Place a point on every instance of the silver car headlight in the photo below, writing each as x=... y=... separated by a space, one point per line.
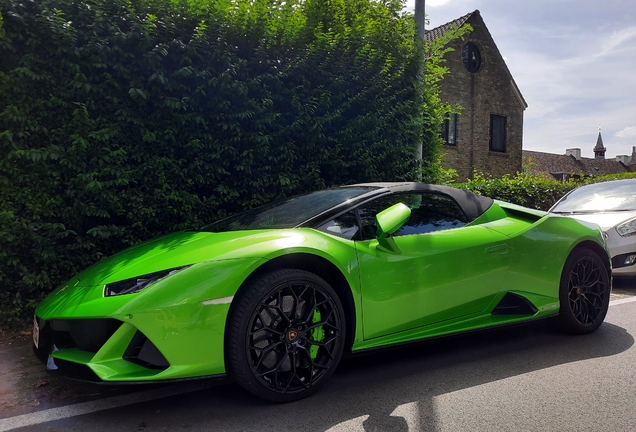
x=138 y=283
x=627 y=228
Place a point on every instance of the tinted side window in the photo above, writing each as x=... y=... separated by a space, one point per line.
x=345 y=226
x=429 y=212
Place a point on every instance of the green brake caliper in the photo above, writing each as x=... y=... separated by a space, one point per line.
x=317 y=334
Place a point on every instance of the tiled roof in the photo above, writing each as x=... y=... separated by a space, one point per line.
x=433 y=34
x=555 y=165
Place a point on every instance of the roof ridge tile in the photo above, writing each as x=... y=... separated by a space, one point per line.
x=432 y=34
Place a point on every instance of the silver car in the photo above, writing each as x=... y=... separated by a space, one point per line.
x=611 y=205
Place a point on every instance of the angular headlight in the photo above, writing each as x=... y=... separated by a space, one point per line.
x=627 y=229
x=138 y=283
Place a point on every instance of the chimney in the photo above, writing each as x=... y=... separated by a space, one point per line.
x=576 y=152
x=633 y=161
x=624 y=159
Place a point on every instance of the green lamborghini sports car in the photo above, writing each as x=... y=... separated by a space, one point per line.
x=274 y=297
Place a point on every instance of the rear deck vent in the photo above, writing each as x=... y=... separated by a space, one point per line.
x=529 y=217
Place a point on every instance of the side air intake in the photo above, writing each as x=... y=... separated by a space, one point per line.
x=514 y=304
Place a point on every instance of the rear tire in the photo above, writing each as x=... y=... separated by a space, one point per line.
x=285 y=336
x=584 y=292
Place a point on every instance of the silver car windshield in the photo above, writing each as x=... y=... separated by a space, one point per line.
x=600 y=197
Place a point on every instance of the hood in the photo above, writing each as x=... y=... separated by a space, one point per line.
x=184 y=248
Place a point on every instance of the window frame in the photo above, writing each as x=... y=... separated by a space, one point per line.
x=362 y=235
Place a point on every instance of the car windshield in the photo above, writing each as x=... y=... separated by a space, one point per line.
x=288 y=212
x=600 y=197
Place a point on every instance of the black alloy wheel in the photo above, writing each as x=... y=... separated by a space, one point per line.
x=285 y=335
x=584 y=293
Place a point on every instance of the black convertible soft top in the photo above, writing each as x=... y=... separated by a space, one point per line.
x=472 y=204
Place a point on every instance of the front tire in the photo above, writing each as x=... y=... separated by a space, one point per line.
x=584 y=292
x=286 y=334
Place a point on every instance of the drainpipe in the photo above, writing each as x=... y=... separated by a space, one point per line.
x=420 y=18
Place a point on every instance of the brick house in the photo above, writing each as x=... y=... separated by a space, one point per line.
x=487 y=135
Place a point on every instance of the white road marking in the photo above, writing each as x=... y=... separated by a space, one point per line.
x=621 y=301
x=53 y=414
x=59 y=413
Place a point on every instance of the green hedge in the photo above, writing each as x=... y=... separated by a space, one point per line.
x=531 y=191
x=124 y=119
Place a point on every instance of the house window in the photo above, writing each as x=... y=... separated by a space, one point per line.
x=471 y=57
x=449 y=132
x=497 y=133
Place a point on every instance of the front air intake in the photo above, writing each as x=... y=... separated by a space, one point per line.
x=84 y=334
x=144 y=353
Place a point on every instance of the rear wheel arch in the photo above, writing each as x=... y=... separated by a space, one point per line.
x=595 y=247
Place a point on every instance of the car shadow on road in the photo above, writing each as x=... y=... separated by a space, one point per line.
x=367 y=392
x=426 y=370
x=624 y=283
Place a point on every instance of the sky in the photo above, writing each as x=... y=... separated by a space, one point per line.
x=574 y=62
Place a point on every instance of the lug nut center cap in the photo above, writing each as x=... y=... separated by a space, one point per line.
x=292 y=335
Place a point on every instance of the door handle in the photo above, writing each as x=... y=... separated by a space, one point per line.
x=498 y=249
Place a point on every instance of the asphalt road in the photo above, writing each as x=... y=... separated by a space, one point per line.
x=526 y=378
